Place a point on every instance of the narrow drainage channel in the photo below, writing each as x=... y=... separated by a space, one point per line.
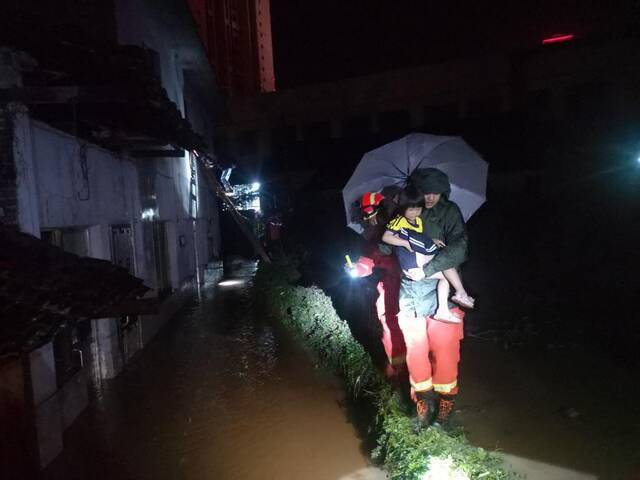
x=219 y=394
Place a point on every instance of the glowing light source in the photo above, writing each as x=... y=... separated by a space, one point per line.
x=558 y=38
x=247 y=196
x=149 y=214
x=351 y=270
x=638 y=160
x=231 y=283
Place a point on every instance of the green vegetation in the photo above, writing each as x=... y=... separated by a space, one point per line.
x=309 y=315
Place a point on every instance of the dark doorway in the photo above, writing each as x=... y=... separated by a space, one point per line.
x=161 y=255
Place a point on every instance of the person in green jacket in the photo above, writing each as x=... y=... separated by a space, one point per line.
x=442 y=219
x=433 y=347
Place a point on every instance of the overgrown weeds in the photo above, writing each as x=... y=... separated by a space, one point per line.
x=407 y=454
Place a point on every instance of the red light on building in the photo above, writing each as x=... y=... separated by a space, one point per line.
x=558 y=38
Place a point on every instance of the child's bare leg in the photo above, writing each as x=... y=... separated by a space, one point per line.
x=443 y=313
x=443 y=298
x=452 y=275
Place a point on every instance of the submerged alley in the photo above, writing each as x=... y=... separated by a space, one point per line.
x=221 y=394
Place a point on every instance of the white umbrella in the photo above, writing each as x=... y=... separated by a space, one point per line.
x=393 y=163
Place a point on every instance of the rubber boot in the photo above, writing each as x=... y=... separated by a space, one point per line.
x=401 y=385
x=425 y=408
x=403 y=376
x=446 y=404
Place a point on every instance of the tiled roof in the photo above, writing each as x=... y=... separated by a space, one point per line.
x=42 y=288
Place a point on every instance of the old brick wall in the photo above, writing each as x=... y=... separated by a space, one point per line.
x=8 y=198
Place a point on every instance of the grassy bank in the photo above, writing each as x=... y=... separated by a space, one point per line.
x=308 y=313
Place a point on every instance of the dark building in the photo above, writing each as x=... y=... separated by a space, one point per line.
x=501 y=103
x=106 y=108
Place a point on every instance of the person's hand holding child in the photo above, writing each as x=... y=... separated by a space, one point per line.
x=415 y=274
x=439 y=243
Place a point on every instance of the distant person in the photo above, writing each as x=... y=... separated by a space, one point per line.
x=433 y=347
x=375 y=209
x=415 y=248
x=274 y=234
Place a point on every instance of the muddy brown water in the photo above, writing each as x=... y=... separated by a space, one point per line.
x=219 y=394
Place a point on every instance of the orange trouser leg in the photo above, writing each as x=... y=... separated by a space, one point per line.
x=444 y=342
x=417 y=342
x=387 y=311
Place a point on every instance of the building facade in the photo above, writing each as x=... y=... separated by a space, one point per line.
x=237 y=37
x=490 y=100
x=106 y=169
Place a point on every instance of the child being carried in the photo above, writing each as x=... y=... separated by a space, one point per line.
x=415 y=248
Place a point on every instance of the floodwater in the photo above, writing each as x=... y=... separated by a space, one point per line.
x=566 y=407
x=220 y=394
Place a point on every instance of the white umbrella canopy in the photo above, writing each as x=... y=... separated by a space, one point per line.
x=393 y=163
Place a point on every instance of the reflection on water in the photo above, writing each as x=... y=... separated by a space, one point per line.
x=218 y=395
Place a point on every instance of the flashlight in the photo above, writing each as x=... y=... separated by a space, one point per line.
x=353 y=273
x=348 y=259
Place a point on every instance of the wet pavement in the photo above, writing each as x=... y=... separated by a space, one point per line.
x=219 y=394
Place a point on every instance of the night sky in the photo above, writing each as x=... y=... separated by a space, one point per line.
x=316 y=41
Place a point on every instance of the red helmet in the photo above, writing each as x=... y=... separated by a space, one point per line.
x=369 y=203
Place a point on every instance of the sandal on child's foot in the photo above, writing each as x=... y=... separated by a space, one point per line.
x=447 y=317
x=463 y=300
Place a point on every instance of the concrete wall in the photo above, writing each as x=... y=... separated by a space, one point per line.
x=68 y=184
x=79 y=184
x=137 y=24
x=62 y=183
x=28 y=211
x=54 y=409
x=65 y=184
x=198 y=113
x=169 y=30
x=58 y=181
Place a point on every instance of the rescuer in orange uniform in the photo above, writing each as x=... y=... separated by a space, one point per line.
x=388 y=286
